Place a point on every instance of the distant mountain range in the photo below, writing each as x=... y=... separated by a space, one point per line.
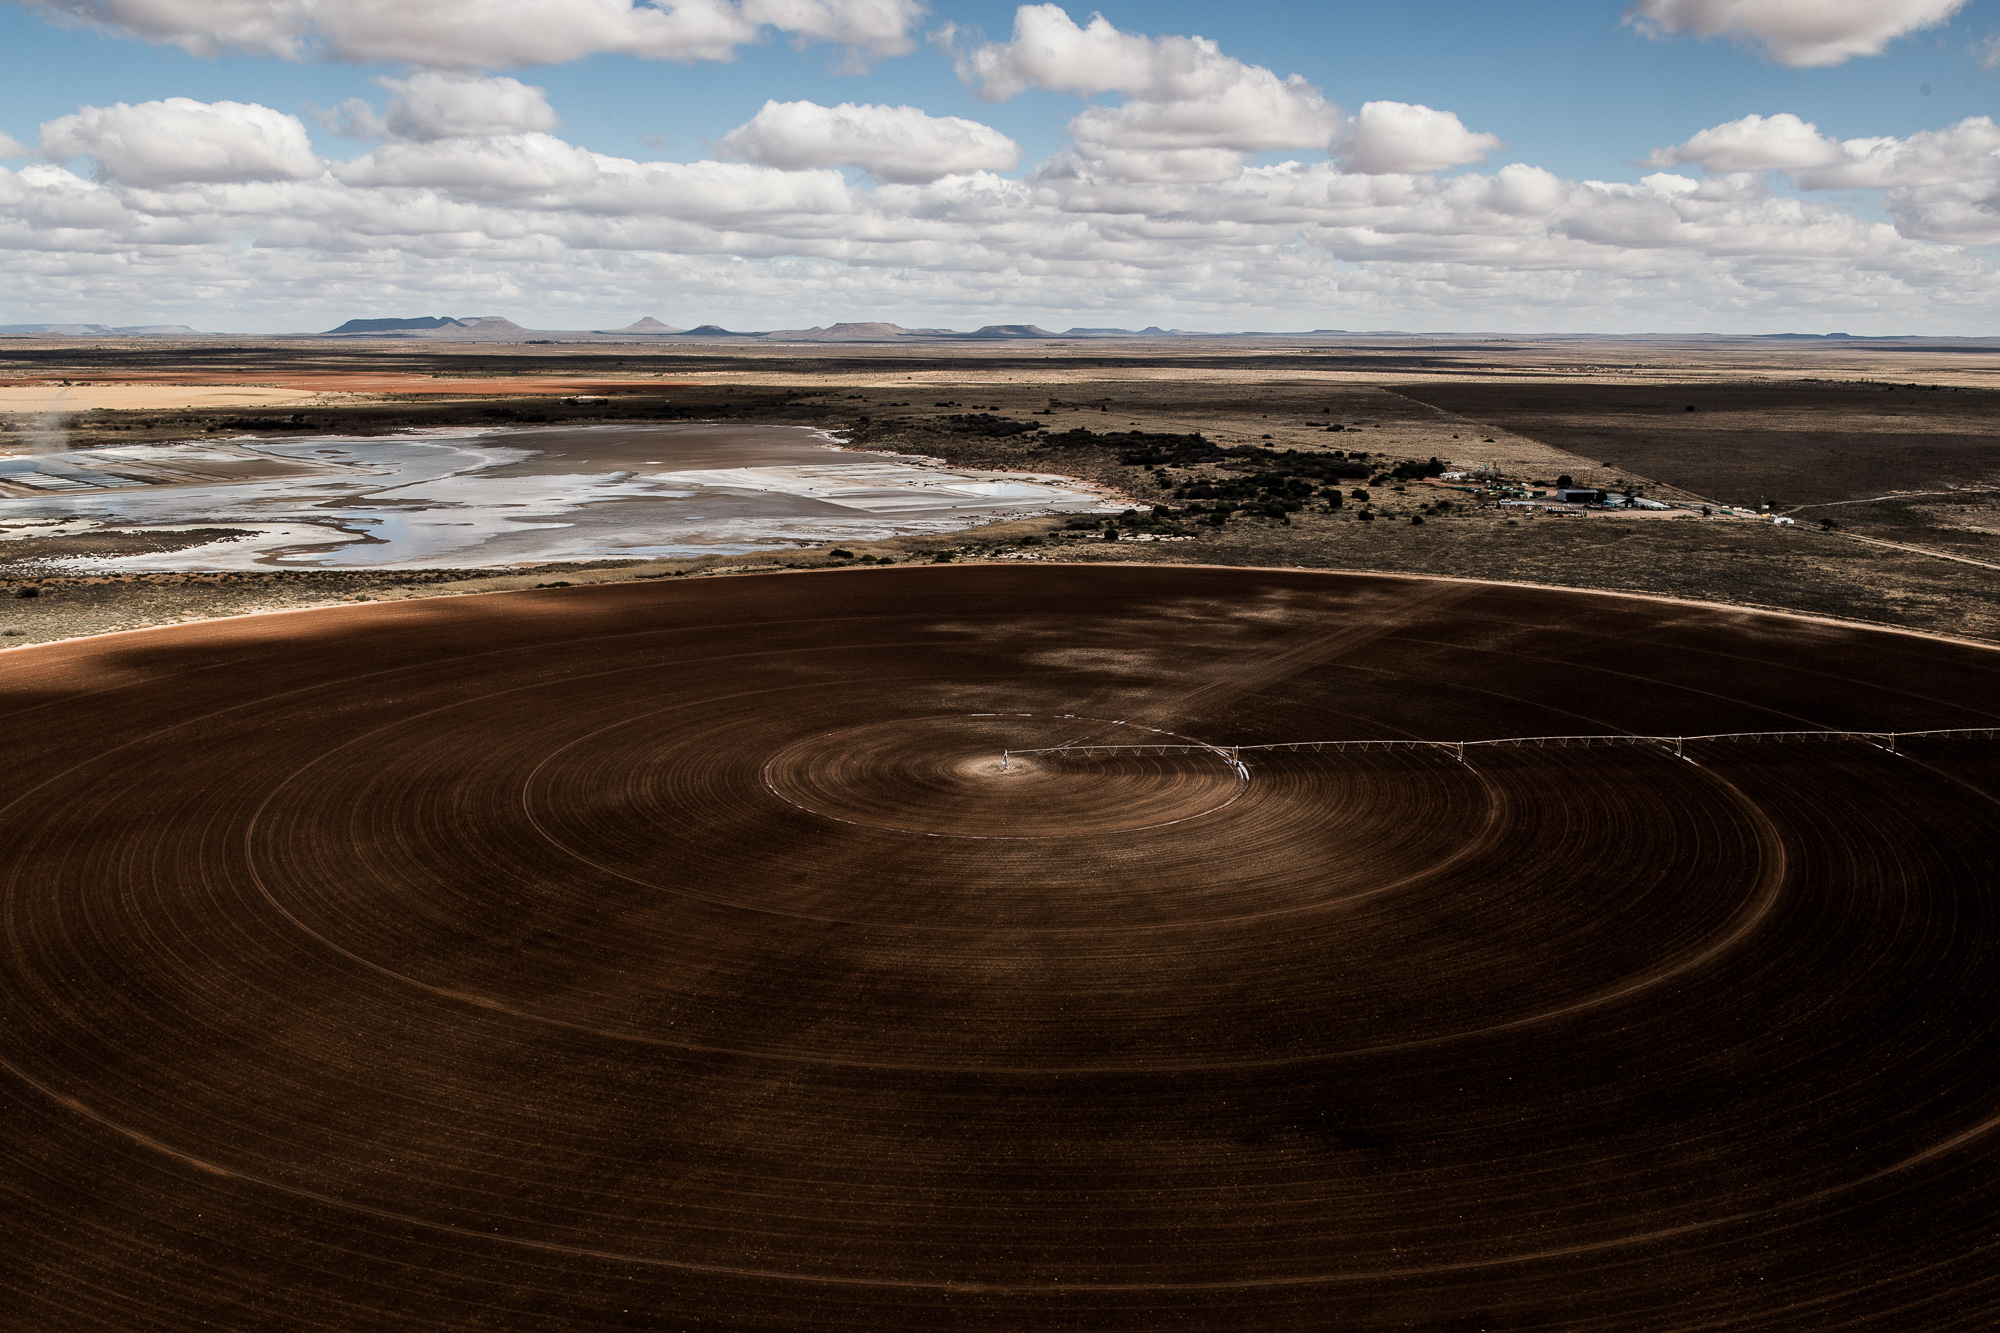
x=100 y=331
x=499 y=329
x=875 y=332
x=454 y=328
x=495 y=328
x=425 y=324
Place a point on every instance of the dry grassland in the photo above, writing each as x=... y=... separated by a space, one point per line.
x=1812 y=425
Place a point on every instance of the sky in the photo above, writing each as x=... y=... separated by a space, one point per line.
x=1564 y=166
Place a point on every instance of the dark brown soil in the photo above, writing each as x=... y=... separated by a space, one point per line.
x=1791 y=569
x=1795 y=444
x=673 y=955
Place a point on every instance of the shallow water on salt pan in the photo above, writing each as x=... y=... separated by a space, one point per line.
x=476 y=498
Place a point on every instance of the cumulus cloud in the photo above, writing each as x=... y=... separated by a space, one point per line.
x=1155 y=213
x=1252 y=112
x=1755 y=143
x=182 y=141
x=1179 y=91
x=1188 y=112
x=1967 y=153
x=1800 y=33
x=865 y=27
x=486 y=213
x=1299 y=243
x=1050 y=51
x=489 y=34
x=1962 y=154
x=1938 y=185
x=894 y=143
x=508 y=166
x=1387 y=137
x=434 y=105
x=204 y=27
x=11 y=147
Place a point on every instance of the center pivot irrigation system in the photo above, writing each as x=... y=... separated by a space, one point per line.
x=1885 y=740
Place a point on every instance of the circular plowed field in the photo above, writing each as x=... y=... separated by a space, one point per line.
x=675 y=956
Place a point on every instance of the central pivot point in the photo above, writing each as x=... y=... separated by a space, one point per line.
x=955 y=776
x=1006 y=766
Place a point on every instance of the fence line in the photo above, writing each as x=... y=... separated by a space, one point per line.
x=1884 y=739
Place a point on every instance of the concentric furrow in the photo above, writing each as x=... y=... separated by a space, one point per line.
x=954 y=776
x=664 y=956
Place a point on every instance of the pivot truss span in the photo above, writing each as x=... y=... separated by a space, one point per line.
x=1886 y=739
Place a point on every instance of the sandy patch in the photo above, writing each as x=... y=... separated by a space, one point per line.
x=888 y=488
x=45 y=398
x=512 y=386
x=135 y=394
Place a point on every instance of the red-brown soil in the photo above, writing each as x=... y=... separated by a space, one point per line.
x=354 y=382
x=673 y=956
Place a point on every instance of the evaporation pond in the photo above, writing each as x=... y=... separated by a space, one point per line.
x=478 y=498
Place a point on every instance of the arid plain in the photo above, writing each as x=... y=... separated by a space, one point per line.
x=747 y=941
x=1894 y=443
